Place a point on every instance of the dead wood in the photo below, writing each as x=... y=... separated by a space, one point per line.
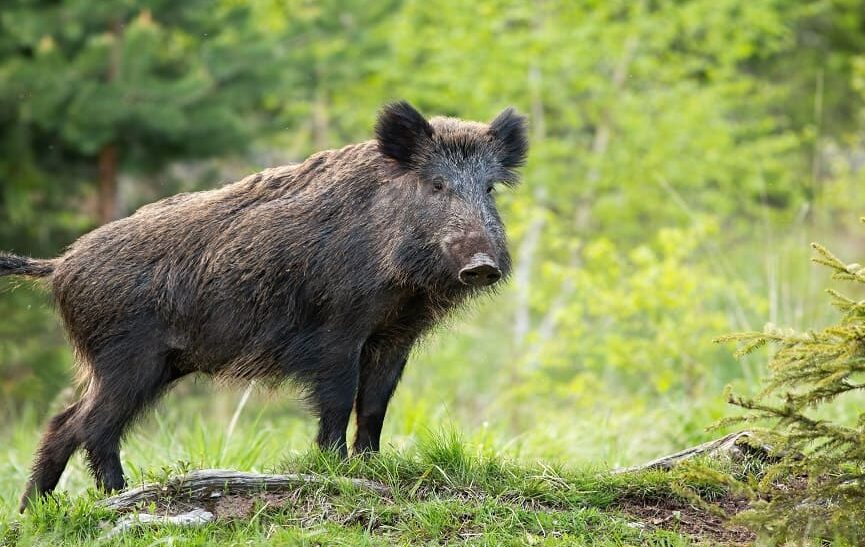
x=736 y=446
x=207 y=484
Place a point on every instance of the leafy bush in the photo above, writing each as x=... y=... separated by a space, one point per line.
x=639 y=318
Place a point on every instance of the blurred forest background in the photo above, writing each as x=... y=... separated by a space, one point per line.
x=683 y=154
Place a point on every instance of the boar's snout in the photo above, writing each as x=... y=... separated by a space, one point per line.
x=473 y=254
x=481 y=271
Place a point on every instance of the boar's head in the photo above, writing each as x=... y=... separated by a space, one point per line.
x=447 y=171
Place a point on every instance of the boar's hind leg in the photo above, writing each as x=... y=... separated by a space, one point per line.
x=114 y=401
x=379 y=374
x=56 y=447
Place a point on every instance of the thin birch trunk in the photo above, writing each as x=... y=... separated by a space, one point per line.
x=582 y=217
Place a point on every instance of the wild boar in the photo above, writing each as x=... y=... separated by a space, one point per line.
x=324 y=273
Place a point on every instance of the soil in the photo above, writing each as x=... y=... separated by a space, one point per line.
x=701 y=524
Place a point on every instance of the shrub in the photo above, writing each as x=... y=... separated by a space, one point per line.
x=817 y=488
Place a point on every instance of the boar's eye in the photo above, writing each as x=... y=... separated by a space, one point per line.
x=438 y=184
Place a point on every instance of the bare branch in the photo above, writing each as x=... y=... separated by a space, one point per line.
x=210 y=483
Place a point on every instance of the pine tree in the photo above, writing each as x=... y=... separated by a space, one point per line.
x=92 y=89
x=817 y=489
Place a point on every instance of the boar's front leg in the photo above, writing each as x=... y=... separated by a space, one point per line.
x=380 y=371
x=333 y=387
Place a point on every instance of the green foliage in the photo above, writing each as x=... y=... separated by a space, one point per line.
x=159 y=78
x=817 y=488
x=638 y=318
x=34 y=367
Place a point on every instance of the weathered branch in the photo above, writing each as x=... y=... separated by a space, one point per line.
x=736 y=446
x=196 y=517
x=207 y=484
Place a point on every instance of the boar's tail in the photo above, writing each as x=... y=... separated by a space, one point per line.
x=22 y=265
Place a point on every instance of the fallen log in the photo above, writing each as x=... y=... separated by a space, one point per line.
x=207 y=484
x=736 y=446
x=196 y=517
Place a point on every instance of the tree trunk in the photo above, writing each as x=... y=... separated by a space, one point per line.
x=108 y=209
x=108 y=156
x=582 y=219
x=320 y=122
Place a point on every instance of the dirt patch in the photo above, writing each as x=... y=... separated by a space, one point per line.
x=234 y=507
x=685 y=518
x=306 y=509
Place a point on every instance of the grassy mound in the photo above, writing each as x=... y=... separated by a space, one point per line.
x=439 y=493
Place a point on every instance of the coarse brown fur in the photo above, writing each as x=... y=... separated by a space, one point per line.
x=325 y=273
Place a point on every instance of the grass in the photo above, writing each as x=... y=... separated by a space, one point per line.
x=487 y=486
x=493 y=484
x=442 y=489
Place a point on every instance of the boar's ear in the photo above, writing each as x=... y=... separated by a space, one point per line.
x=509 y=130
x=402 y=132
